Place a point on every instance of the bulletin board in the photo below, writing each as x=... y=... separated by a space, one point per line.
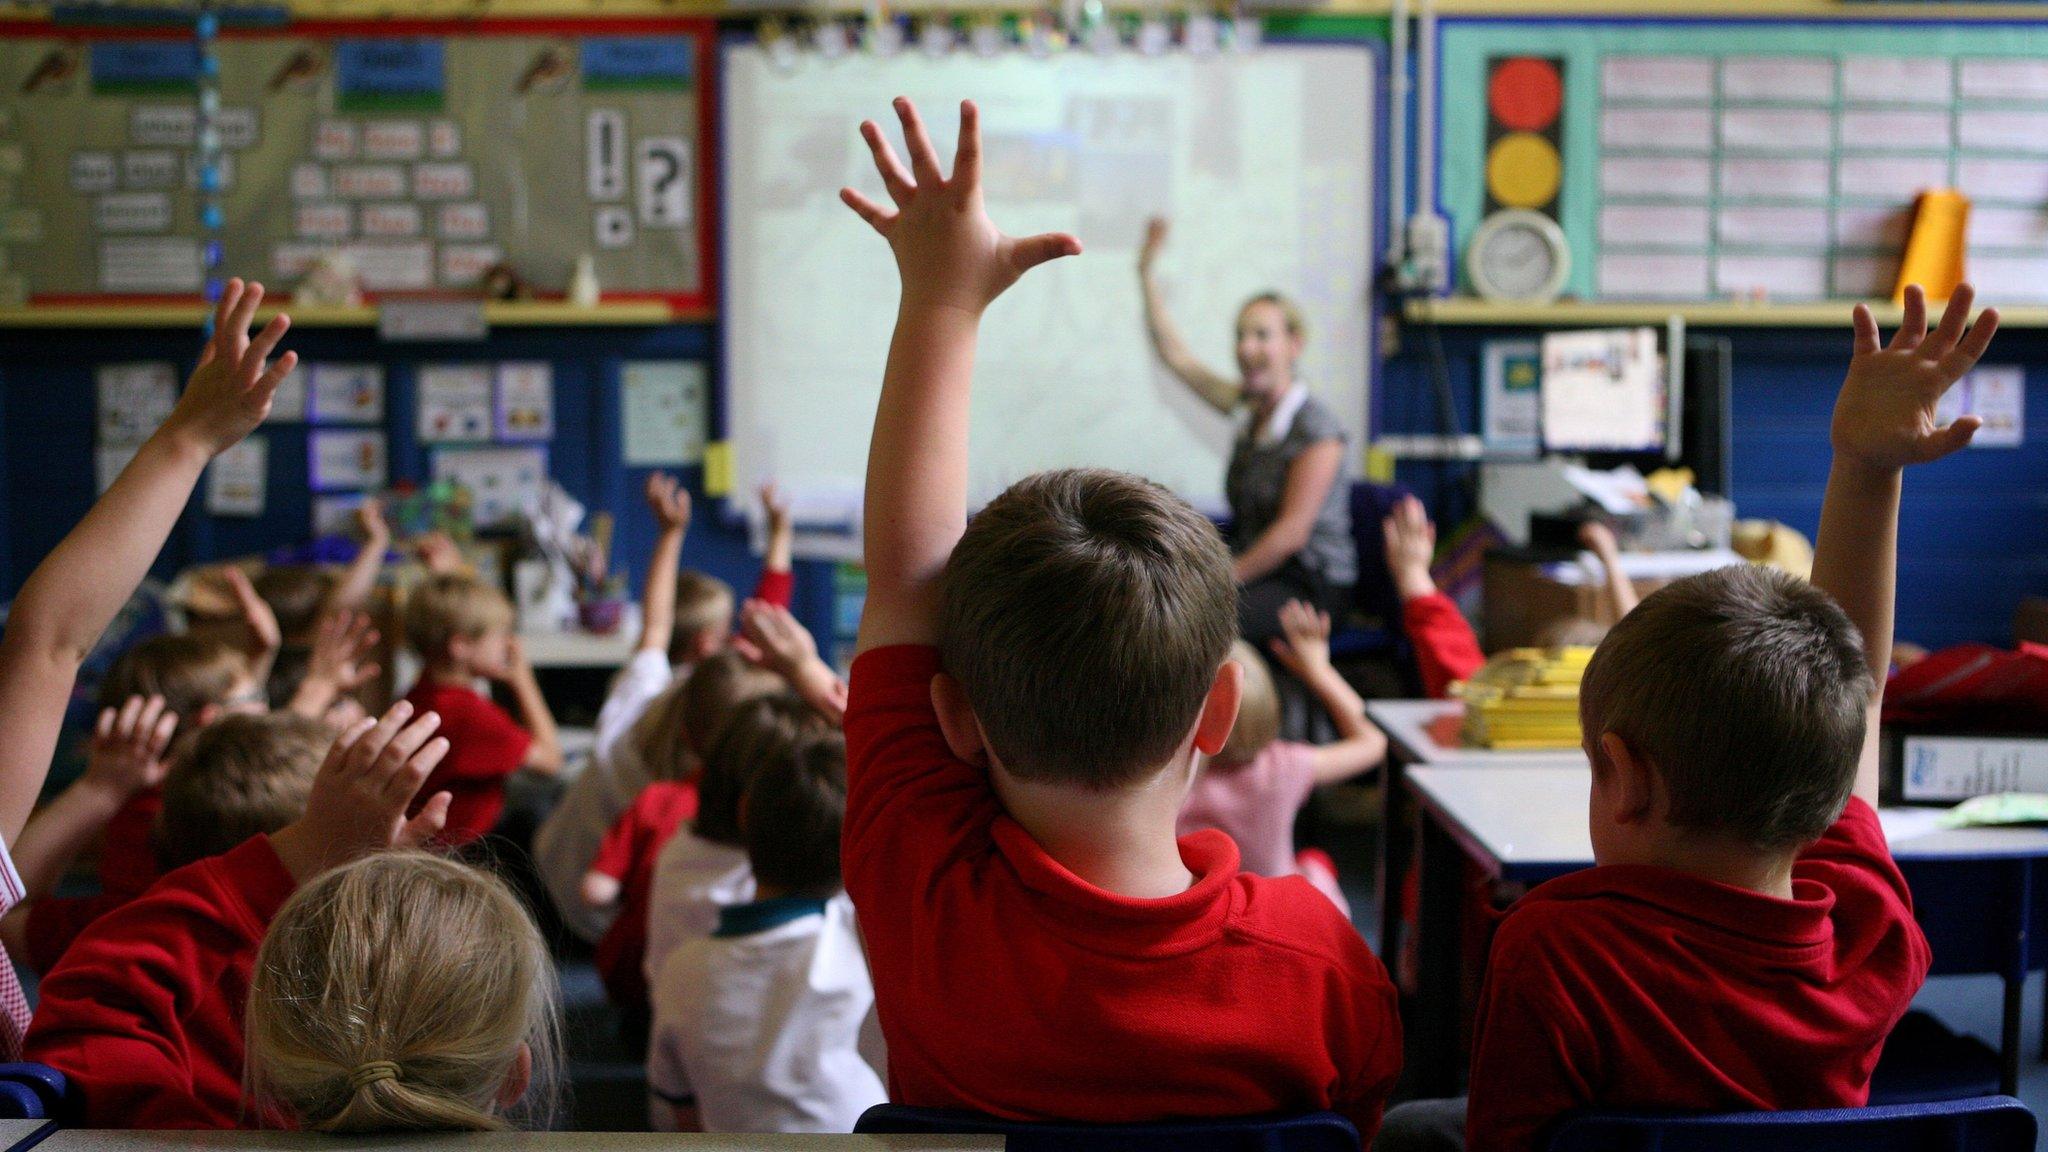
x=427 y=151
x=1759 y=160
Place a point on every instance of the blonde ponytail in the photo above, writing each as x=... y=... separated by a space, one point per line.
x=395 y=995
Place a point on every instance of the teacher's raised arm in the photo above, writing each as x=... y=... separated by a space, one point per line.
x=1290 y=508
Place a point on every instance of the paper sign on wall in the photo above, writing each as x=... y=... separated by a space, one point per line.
x=500 y=481
x=133 y=400
x=526 y=400
x=1603 y=390
x=1996 y=394
x=347 y=460
x=347 y=393
x=455 y=402
x=662 y=412
x=237 y=481
x=663 y=174
x=605 y=155
x=1512 y=401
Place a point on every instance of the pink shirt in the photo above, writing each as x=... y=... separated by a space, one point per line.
x=1256 y=805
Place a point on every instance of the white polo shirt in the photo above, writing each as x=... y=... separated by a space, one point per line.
x=693 y=879
x=761 y=1022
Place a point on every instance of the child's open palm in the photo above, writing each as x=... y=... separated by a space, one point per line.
x=128 y=745
x=230 y=391
x=360 y=795
x=1885 y=416
x=948 y=251
x=669 y=501
x=1305 y=647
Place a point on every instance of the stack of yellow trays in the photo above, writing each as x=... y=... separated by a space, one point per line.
x=1526 y=699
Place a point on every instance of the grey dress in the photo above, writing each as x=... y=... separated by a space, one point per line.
x=1258 y=477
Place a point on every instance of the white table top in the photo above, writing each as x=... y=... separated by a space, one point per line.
x=1535 y=818
x=1425 y=732
x=95 y=1140
x=579 y=649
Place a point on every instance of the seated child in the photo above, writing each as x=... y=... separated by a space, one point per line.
x=1253 y=788
x=702 y=866
x=1746 y=940
x=757 y=1026
x=462 y=629
x=198 y=681
x=144 y=1014
x=1446 y=649
x=687 y=618
x=1034 y=691
x=404 y=993
x=304 y=596
x=72 y=596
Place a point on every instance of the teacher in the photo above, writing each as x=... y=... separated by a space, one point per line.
x=1290 y=535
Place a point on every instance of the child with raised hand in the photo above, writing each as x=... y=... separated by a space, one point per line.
x=71 y=597
x=462 y=629
x=1746 y=940
x=773 y=638
x=335 y=667
x=144 y=1014
x=686 y=620
x=1255 y=786
x=1446 y=649
x=1034 y=691
x=758 y=1024
x=404 y=993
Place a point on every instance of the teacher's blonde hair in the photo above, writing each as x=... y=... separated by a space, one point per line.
x=1290 y=312
x=394 y=994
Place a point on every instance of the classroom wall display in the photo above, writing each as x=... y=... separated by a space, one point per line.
x=1708 y=160
x=1264 y=161
x=421 y=153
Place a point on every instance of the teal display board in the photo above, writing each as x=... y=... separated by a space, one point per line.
x=1707 y=160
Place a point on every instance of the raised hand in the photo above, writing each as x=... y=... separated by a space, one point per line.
x=370 y=522
x=338 y=650
x=359 y=797
x=670 y=502
x=774 y=638
x=439 y=554
x=775 y=507
x=1305 y=647
x=1885 y=416
x=265 y=636
x=1156 y=230
x=1599 y=539
x=948 y=252
x=127 y=753
x=230 y=391
x=1411 y=544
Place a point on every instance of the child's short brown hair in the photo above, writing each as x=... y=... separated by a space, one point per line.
x=704 y=603
x=449 y=607
x=793 y=812
x=189 y=672
x=1258 y=713
x=762 y=731
x=245 y=776
x=296 y=593
x=1748 y=690
x=1085 y=613
x=672 y=735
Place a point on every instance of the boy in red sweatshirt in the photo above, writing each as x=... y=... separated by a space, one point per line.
x=462 y=629
x=1746 y=941
x=1034 y=692
x=144 y=1014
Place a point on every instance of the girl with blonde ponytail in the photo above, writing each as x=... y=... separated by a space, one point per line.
x=404 y=992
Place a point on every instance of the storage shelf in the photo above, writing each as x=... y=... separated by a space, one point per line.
x=1469 y=312
x=506 y=314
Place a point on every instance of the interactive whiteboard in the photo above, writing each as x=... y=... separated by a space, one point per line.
x=1263 y=160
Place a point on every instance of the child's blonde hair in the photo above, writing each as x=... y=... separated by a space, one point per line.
x=394 y=994
x=1258 y=711
x=704 y=603
x=451 y=607
x=189 y=672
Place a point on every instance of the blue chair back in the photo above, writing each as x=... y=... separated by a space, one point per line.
x=33 y=1092
x=1986 y=1124
x=1314 y=1132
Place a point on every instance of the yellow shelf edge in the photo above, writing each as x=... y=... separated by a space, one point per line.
x=1470 y=312
x=506 y=314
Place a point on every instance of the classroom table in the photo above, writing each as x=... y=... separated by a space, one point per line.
x=105 y=1140
x=1973 y=889
x=1424 y=732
